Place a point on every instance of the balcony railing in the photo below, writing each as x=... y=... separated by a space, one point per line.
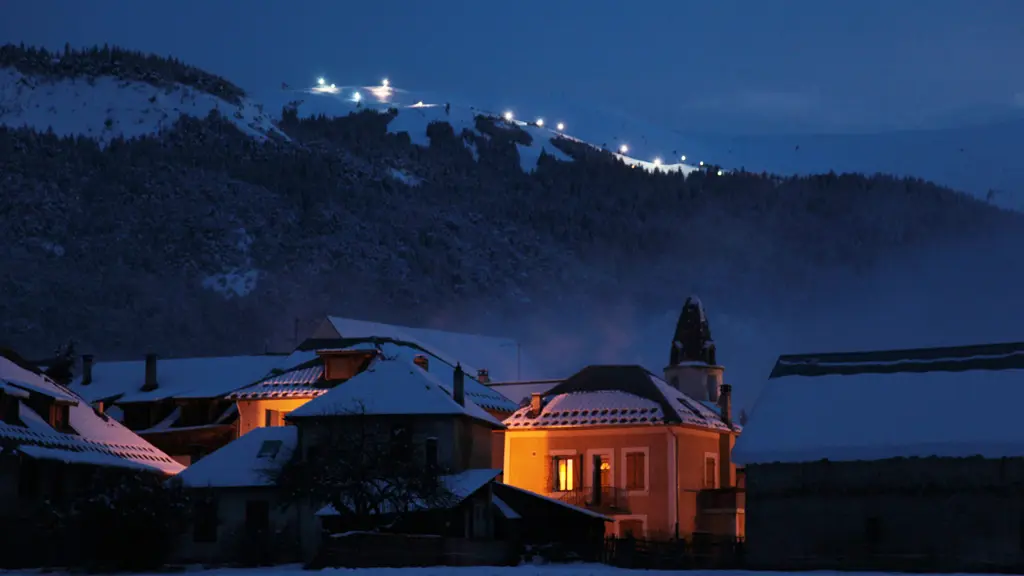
x=604 y=499
x=722 y=499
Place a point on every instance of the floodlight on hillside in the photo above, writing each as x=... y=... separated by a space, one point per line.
x=508 y=116
x=682 y=158
x=560 y=126
x=623 y=149
x=720 y=172
x=657 y=161
x=540 y=122
x=384 y=83
x=701 y=163
x=320 y=81
x=357 y=97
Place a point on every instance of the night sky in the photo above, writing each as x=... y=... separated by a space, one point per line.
x=735 y=66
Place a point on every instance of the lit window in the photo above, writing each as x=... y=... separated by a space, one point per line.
x=565 y=478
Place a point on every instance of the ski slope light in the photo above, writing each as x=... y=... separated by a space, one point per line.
x=384 y=83
x=357 y=97
x=682 y=158
x=701 y=163
x=657 y=161
x=320 y=81
x=540 y=122
x=508 y=116
x=333 y=87
x=560 y=126
x=623 y=149
x=720 y=172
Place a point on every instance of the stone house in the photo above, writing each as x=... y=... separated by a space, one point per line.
x=891 y=460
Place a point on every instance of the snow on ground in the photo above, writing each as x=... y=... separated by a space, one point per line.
x=523 y=570
x=105 y=108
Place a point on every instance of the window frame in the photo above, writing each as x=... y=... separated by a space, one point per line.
x=570 y=456
x=704 y=471
x=646 y=451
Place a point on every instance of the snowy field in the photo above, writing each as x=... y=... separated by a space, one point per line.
x=525 y=570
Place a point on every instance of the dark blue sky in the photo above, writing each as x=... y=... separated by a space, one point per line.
x=729 y=65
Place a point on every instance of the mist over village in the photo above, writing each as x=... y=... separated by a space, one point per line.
x=435 y=290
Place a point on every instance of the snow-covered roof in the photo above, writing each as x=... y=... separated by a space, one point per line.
x=305 y=381
x=499 y=356
x=952 y=402
x=247 y=462
x=210 y=377
x=440 y=366
x=98 y=439
x=616 y=396
x=392 y=386
x=520 y=392
x=461 y=486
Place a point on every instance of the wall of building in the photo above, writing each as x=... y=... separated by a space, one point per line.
x=252 y=413
x=8 y=485
x=459 y=442
x=954 y=514
x=675 y=469
x=284 y=543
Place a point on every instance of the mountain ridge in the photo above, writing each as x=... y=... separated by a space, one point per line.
x=206 y=235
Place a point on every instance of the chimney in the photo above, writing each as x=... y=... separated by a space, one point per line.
x=86 y=369
x=535 y=404
x=422 y=361
x=459 y=385
x=99 y=406
x=483 y=376
x=150 y=383
x=725 y=403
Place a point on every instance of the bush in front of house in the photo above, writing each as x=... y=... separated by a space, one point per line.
x=128 y=521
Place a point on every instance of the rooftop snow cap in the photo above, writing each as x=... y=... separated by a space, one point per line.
x=692 y=340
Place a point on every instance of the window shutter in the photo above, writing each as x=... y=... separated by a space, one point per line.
x=579 y=472
x=554 y=474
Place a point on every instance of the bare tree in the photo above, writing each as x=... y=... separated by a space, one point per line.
x=366 y=467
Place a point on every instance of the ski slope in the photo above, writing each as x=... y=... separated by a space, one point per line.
x=417 y=111
x=106 y=108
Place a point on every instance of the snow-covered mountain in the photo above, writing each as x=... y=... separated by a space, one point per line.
x=149 y=204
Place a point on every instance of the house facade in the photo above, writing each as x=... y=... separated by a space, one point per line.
x=652 y=453
x=898 y=460
x=619 y=440
x=53 y=446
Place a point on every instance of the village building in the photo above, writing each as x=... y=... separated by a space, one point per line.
x=653 y=453
x=399 y=397
x=178 y=404
x=189 y=407
x=897 y=460
x=52 y=445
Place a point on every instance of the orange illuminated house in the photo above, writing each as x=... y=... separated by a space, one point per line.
x=624 y=442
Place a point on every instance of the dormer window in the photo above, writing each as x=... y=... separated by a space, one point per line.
x=340 y=365
x=60 y=418
x=10 y=409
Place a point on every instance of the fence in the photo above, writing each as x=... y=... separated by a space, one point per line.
x=700 y=551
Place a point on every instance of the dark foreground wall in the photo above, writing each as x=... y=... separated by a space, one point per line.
x=928 y=514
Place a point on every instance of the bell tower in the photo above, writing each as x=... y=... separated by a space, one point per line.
x=692 y=367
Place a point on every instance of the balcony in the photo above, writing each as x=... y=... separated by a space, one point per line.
x=722 y=499
x=604 y=500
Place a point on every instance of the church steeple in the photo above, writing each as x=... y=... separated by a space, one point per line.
x=692 y=341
